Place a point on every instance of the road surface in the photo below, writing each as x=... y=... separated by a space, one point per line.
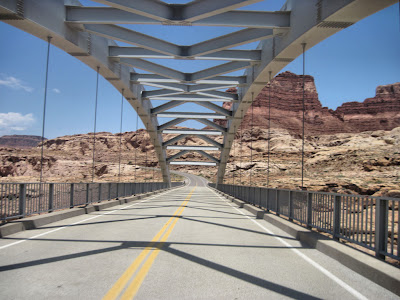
x=188 y=243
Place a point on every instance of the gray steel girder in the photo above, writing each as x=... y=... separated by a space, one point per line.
x=43 y=18
x=89 y=33
x=310 y=24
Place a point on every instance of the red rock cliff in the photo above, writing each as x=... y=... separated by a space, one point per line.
x=380 y=112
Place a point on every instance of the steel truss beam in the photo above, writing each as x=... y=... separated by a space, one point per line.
x=333 y=17
x=197 y=10
x=47 y=18
x=154 y=68
x=154 y=9
x=185 y=77
x=157 y=94
x=231 y=40
x=155 y=78
x=192 y=98
x=203 y=121
x=192 y=132
x=165 y=106
x=216 y=108
x=212 y=124
x=191 y=115
x=135 y=38
x=204 y=148
x=109 y=15
x=171 y=123
x=201 y=152
x=230 y=55
x=193 y=163
x=281 y=34
x=219 y=70
x=182 y=136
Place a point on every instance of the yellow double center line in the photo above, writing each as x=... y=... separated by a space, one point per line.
x=158 y=239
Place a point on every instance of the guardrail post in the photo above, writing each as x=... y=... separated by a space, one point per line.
x=71 y=196
x=309 y=210
x=290 y=208
x=267 y=200
x=336 y=217
x=277 y=202
x=87 y=193
x=51 y=196
x=381 y=225
x=22 y=199
x=99 y=192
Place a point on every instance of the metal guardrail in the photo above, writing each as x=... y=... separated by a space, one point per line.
x=22 y=199
x=371 y=222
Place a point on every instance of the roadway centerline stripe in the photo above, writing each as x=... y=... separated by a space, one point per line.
x=129 y=272
x=138 y=280
x=316 y=265
x=75 y=223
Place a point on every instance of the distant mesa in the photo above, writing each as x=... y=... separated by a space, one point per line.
x=20 y=141
x=381 y=112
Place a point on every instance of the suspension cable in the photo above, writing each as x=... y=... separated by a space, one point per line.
x=136 y=140
x=155 y=158
x=269 y=125
x=229 y=157
x=44 y=107
x=95 y=121
x=120 y=136
x=251 y=137
x=304 y=109
x=234 y=154
x=241 y=152
x=145 y=162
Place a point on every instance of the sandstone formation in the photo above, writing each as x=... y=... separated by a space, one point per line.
x=379 y=113
x=20 y=141
x=366 y=163
x=351 y=150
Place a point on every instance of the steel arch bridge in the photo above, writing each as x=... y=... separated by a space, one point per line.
x=90 y=35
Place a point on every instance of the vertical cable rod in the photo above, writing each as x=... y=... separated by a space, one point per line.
x=241 y=152
x=136 y=140
x=145 y=162
x=155 y=157
x=269 y=127
x=120 y=136
x=251 y=136
x=44 y=108
x=304 y=109
x=95 y=122
x=234 y=154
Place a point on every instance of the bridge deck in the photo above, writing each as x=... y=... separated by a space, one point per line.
x=210 y=250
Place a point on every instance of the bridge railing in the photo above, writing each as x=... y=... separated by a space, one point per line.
x=371 y=222
x=22 y=199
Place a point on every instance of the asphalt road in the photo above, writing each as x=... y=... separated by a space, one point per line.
x=188 y=243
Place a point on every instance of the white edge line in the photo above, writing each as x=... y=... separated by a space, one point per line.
x=91 y=218
x=316 y=265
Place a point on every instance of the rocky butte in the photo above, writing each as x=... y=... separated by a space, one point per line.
x=20 y=141
x=381 y=112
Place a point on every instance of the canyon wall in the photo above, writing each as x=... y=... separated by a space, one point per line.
x=381 y=112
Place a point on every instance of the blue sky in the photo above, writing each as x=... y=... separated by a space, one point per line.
x=347 y=67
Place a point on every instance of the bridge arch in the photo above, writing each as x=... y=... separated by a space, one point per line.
x=89 y=35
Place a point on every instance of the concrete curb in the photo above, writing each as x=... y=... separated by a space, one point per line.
x=238 y=202
x=41 y=220
x=370 y=267
x=254 y=210
x=374 y=269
